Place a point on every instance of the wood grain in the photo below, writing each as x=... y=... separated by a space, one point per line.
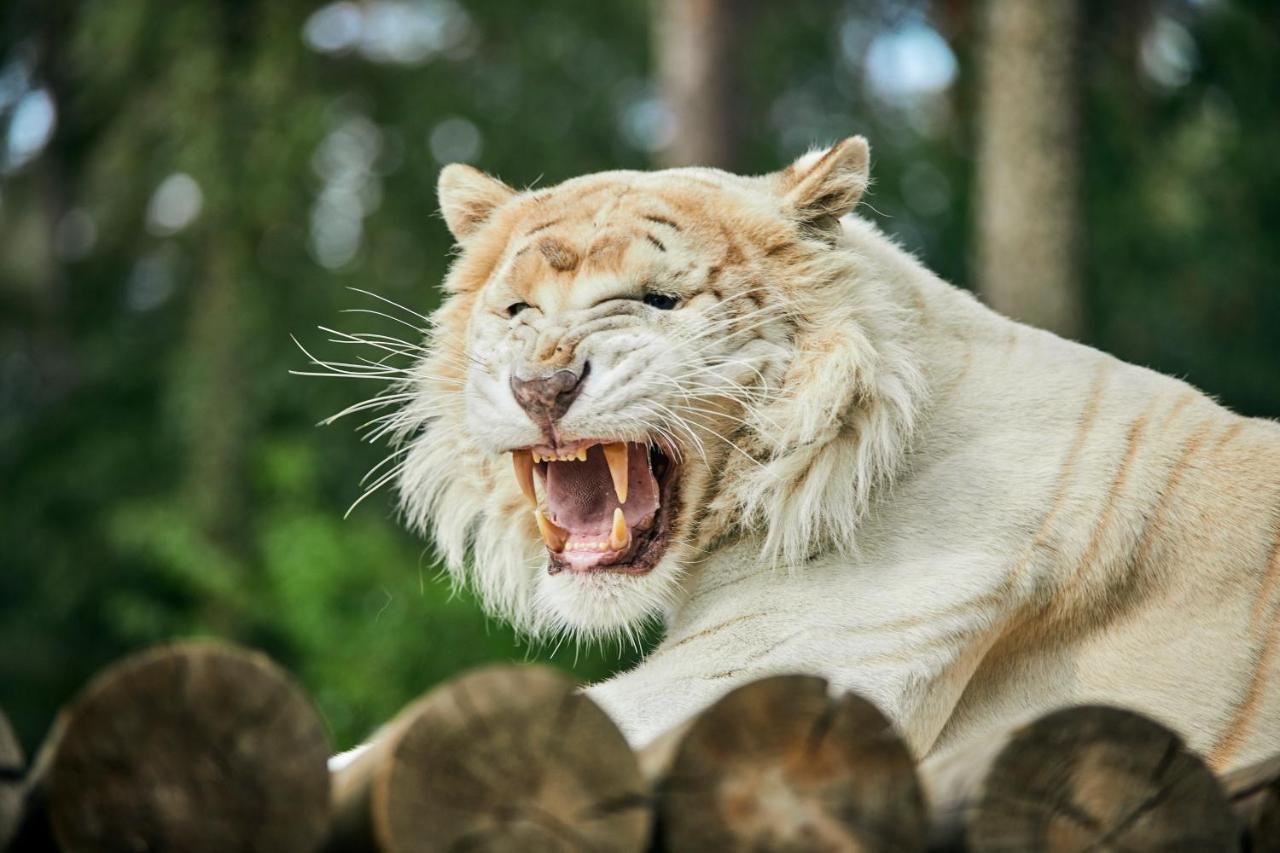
x=194 y=747
x=501 y=759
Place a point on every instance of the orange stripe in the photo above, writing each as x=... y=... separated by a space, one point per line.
x=1229 y=435
x=1187 y=397
x=1161 y=509
x=1237 y=732
x=1268 y=586
x=708 y=631
x=1109 y=508
x=1066 y=477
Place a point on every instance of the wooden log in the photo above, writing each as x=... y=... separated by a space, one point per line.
x=501 y=759
x=11 y=770
x=194 y=747
x=1083 y=778
x=1254 y=793
x=780 y=764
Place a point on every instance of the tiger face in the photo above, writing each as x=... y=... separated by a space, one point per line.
x=603 y=396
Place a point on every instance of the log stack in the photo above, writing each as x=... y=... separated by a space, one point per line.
x=1083 y=778
x=11 y=770
x=201 y=747
x=502 y=759
x=1255 y=796
x=781 y=764
x=192 y=747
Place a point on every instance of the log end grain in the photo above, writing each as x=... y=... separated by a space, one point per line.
x=1099 y=778
x=1254 y=792
x=11 y=771
x=780 y=764
x=194 y=747
x=506 y=759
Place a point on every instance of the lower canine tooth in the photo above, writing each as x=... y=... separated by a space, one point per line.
x=620 y=535
x=552 y=535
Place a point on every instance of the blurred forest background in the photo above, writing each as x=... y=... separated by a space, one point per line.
x=185 y=185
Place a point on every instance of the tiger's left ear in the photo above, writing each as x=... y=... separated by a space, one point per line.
x=823 y=186
x=468 y=197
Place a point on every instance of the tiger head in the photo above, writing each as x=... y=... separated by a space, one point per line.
x=632 y=369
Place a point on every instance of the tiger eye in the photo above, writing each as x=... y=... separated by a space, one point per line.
x=661 y=301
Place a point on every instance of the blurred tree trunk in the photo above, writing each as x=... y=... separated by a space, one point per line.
x=1029 y=163
x=218 y=423
x=698 y=46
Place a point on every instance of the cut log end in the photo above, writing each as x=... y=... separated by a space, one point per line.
x=1254 y=793
x=1098 y=778
x=779 y=764
x=505 y=758
x=11 y=770
x=193 y=747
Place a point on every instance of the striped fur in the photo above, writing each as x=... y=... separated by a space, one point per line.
x=882 y=481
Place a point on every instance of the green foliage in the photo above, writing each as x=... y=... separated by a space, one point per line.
x=160 y=472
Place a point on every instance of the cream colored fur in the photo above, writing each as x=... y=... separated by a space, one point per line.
x=966 y=520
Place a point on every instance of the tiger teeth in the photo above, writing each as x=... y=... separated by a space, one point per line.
x=620 y=535
x=522 y=461
x=616 y=455
x=553 y=535
x=579 y=455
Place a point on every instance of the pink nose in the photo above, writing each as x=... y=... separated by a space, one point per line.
x=547 y=398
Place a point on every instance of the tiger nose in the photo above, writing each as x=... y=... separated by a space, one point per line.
x=547 y=398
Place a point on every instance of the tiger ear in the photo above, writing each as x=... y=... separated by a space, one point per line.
x=468 y=197
x=823 y=186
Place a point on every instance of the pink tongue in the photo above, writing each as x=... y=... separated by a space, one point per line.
x=581 y=498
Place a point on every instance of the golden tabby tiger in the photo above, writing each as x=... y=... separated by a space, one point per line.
x=729 y=403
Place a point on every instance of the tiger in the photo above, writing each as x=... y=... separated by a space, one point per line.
x=733 y=406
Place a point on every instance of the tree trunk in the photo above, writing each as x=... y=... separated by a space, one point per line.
x=779 y=764
x=1028 y=170
x=698 y=46
x=194 y=747
x=1083 y=778
x=502 y=759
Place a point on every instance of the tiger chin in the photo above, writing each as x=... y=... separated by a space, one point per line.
x=731 y=404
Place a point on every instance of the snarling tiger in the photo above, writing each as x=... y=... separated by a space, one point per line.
x=730 y=403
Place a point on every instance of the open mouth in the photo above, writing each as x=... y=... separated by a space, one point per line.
x=605 y=505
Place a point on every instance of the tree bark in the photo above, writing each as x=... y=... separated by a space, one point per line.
x=193 y=747
x=1028 y=169
x=779 y=764
x=501 y=759
x=1083 y=778
x=698 y=46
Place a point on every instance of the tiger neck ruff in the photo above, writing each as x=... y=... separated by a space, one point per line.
x=729 y=403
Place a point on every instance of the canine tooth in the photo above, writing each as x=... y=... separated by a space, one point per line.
x=616 y=455
x=522 y=461
x=620 y=535
x=551 y=534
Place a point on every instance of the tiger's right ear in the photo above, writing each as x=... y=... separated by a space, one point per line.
x=468 y=197
x=823 y=186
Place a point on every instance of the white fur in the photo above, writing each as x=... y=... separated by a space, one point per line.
x=885 y=483
x=959 y=549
